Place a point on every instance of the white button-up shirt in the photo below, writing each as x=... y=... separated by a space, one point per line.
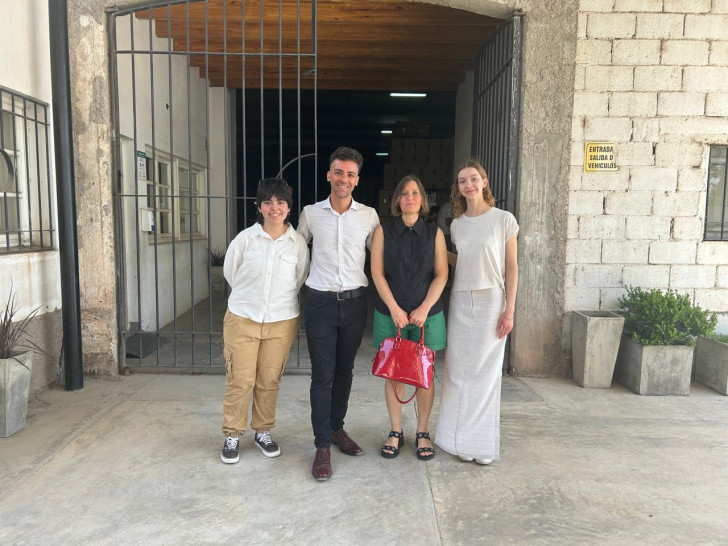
x=265 y=274
x=339 y=244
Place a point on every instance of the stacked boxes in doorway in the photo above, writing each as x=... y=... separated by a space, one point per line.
x=430 y=159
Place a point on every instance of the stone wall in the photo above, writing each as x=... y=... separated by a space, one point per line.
x=652 y=76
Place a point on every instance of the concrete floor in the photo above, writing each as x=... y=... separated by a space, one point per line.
x=135 y=460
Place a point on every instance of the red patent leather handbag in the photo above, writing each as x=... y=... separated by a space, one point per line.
x=405 y=361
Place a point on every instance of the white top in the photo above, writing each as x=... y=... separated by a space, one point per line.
x=339 y=244
x=481 y=245
x=265 y=274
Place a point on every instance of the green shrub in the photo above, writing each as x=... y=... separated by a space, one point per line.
x=723 y=338
x=657 y=317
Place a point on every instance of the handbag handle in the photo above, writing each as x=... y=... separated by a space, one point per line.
x=420 y=345
x=394 y=388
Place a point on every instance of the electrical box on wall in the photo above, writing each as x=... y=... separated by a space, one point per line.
x=147 y=220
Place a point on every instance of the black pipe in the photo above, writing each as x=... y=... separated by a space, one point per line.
x=66 y=193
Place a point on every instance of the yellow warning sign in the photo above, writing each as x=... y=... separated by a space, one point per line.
x=600 y=157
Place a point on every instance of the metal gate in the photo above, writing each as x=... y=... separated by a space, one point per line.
x=496 y=110
x=210 y=96
x=496 y=115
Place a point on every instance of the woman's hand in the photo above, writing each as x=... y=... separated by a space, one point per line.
x=399 y=317
x=418 y=316
x=505 y=325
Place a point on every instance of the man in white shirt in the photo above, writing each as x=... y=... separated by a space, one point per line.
x=336 y=306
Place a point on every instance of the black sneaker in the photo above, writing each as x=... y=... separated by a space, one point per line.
x=230 y=450
x=266 y=445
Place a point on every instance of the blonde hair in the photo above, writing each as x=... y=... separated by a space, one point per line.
x=395 y=208
x=458 y=201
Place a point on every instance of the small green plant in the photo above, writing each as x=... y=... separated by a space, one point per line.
x=657 y=317
x=723 y=338
x=217 y=256
x=13 y=331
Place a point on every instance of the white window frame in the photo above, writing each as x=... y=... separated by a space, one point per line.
x=165 y=215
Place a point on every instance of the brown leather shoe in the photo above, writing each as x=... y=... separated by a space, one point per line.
x=321 y=468
x=346 y=445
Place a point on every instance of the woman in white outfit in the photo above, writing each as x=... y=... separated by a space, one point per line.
x=482 y=303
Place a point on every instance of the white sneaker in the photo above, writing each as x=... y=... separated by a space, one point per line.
x=466 y=459
x=484 y=461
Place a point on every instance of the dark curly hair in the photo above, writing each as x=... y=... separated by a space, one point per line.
x=273 y=187
x=342 y=153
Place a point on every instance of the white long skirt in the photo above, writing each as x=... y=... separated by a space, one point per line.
x=469 y=421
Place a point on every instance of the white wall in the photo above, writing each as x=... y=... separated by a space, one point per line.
x=654 y=79
x=25 y=68
x=176 y=130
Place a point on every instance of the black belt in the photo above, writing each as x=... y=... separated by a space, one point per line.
x=345 y=295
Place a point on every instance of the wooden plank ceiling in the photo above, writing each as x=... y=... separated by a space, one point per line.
x=362 y=45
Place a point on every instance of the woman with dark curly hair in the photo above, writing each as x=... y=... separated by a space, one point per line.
x=265 y=265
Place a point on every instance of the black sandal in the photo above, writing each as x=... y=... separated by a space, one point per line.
x=424 y=453
x=390 y=452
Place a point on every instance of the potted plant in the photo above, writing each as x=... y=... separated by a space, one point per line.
x=594 y=343
x=16 y=362
x=711 y=362
x=217 y=260
x=656 y=353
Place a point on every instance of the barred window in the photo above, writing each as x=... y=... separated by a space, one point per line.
x=716 y=221
x=175 y=197
x=26 y=222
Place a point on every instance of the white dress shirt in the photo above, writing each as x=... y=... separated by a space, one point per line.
x=265 y=274
x=339 y=244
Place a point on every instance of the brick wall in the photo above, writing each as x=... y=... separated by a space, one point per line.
x=652 y=76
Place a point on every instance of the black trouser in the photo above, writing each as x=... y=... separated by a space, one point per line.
x=334 y=328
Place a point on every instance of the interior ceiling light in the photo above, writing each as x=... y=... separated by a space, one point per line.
x=411 y=95
x=383 y=153
x=386 y=131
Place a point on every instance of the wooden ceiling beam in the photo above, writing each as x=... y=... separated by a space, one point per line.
x=346 y=49
x=289 y=64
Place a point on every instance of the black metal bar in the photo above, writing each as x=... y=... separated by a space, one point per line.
x=189 y=154
x=27 y=175
x=280 y=84
x=262 y=111
x=155 y=185
x=66 y=193
x=37 y=176
x=244 y=126
x=136 y=191
x=6 y=227
x=122 y=311
x=17 y=173
x=183 y=52
x=314 y=43
x=48 y=174
x=173 y=202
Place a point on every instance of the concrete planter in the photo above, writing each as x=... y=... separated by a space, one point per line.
x=594 y=345
x=14 y=389
x=711 y=364
x=654 y=369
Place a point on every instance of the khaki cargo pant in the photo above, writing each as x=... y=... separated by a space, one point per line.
x=255 y=357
